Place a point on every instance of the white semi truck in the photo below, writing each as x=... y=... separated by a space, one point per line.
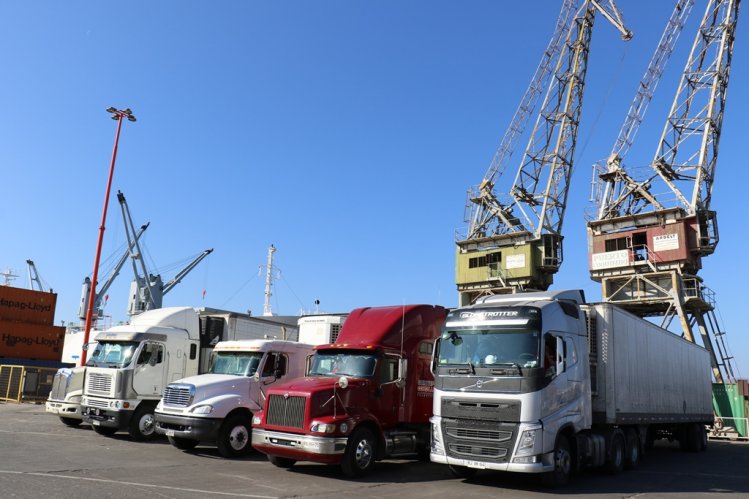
x=217 y=407
x=544 y=383
x=132 y=364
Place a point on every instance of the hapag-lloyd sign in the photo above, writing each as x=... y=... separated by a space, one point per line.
x=609 y=259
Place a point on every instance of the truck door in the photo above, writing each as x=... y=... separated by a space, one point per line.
x=150 y=369
x=389 y=395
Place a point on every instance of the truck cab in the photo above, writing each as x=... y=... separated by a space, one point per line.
x=131 y=365
x=366 y=397
x=217 y=407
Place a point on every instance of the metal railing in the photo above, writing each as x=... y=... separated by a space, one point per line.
x=25 y=383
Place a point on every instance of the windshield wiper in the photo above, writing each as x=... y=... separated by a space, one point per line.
x=513 y=364
x=473 y=369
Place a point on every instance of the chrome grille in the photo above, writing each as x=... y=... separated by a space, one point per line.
x=99 y=383
x=287 y=411
x=178 y=395
x=98 y=403
x=479 y=439
x=59 y=386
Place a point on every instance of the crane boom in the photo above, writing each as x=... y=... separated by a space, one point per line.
x=488 y=260
x=183 y=273
x=34 y=276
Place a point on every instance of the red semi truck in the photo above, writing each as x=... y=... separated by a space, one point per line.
x=366 y=397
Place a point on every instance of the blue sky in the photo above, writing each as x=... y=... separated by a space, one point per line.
x=343 y=132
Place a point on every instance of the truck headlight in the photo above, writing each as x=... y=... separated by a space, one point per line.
x=256 y=420
x=322 y=428
x=203 y=409
x=528 y=442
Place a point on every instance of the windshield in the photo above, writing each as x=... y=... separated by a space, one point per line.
x=236 y=363
x=360 y=365
x=116 y=354
x=490 y=347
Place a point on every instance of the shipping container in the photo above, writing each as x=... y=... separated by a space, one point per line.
x=21 y=340
x=26 y=305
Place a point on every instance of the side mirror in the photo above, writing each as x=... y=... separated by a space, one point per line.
x=152 y=361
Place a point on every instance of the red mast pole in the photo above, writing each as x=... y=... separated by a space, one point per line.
x=116 y=115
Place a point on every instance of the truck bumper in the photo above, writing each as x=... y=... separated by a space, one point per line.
x=63 y=409
x=328 y=450
x=201 y=429
x=546 y=464
x=109 y=419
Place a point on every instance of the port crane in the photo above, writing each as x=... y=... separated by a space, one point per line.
x=34 y=277
x=102 y=290
x=653 y=225
x=515 y=244
x=147 y=290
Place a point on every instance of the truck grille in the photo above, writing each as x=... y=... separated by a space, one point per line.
x=286 y=411
x=98 y=382
x=178 y=395
x=59 y=385
x=476 y=439
x=98 y=403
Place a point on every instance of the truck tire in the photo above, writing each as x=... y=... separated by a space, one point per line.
x=183 y=443
x=143 y=425
x=359 y=456
x=632 y=452
x=615 y=460
x=104 y=430
x=462 y=471
x=695 y=438
x=70 y=422
x=281 y=462
x=234 y=437
x=562 y=464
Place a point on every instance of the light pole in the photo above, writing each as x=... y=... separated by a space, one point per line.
x=118 y=115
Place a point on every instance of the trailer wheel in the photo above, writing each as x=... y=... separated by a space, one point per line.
x=359 y=456
x=143 y=425
x=183 y=443
x=281 y=462
x=562 y=464
x=104 y=430
x=462 y=471
x=632 y=454
x=70 y=422
x=703 y=438
x=615 y=461
x=234 y=437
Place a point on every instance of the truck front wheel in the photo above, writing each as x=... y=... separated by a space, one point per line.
x=143 y=425
x=183 y=443
x=234 y=437
x=359 y=456
x=562 y=464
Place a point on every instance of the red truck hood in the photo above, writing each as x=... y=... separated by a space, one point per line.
x=319 y=391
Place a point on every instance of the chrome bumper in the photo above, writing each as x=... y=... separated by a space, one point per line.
x=304 y=443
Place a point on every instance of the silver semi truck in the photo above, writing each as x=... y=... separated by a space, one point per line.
x=545 y=383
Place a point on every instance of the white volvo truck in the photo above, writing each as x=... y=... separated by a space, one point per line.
x=132 y=364
x=217 y=407
x=544 y=383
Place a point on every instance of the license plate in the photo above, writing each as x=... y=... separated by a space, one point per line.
x=95 y=422
x=475 y=464
x=169 y=433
